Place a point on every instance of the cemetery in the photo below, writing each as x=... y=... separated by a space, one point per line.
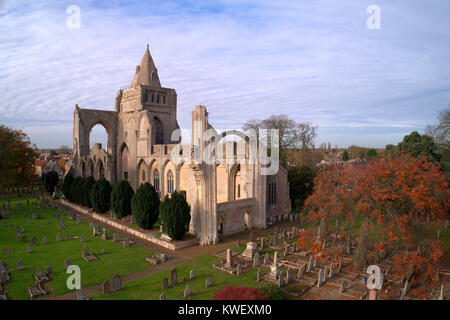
x=39 y=237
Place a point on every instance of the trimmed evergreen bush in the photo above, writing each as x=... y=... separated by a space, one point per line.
x=175 y=215
x=121 y=196
x=50 y=181
x=67 y=185
x=86 y=188
x=145 y=206
x=101 y=195
x=76 y=190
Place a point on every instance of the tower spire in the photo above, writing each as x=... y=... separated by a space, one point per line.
x=146 y=72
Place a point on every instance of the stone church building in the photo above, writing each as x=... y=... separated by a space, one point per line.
x=226 y=197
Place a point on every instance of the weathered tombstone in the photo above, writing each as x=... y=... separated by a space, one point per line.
x=18 y=234
x=288 y=276
x=250 y=250
x=58 y=237
x=20 y=266
x=187 y=291
x=286 y=251
x=103 y=251
x=275 y=237
x=29 y=221
x=300 y=272
x=86 y=251
x=256 y=260
x=117 y=282
x=281 y=280
x=441 y=294
x=115 y=237
x=173 y=277
x=162 y=297
x=105 y=287
x=165 y=283
x=331 y=273
x=229 y=258
x=258 y=275
x=126 y=243
x=239 y=269
x=82 y=238
x=191 y=275
x=238 y=243
x=263 y=243
x=67 y=263
x=343 y=287
x=325 y=274
x=34 y=241
x=319 y=278
x=275 y=258
x=266 y=259
x=78 y=219
x=28 y=248
x=67 y=236
x=208 y=282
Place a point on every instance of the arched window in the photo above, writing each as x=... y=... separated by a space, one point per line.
x=143 y=176
x=156 y=179
x=158 y=131
x=272 y=193
x=169 y=181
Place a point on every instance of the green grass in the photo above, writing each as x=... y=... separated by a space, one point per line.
x=149 y=288
x=117 y=260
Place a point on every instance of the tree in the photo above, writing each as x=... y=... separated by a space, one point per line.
x=274 y=293
x=292 y=135
x=419 y=145
x=441 y=136
x=17 y=158
x=86 y=187
x=393 y=197
x=101 y=195
x=121 y=196
x=239 y=293
x=76 y=190
x=175 y=215
x=50 y=181
x=372 y=154
x=345 y=156
x=145 y=205
x=67 y=185
x=300 y=179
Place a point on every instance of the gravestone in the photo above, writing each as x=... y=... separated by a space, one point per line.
x=105 y=287
x=266 y=259
x=67 y=236
x=20 y=266
x=187 y=291
x=263 y=243
x=239 y=269
x=115 y=237
x=300 y=272
x=162 y=297
x=165 y=283
x=250 y=250
x=18 y=234
x=258 y=275
x=49 y=270
x=343 y=287
x=191 y=275
x=309 y=266
x=238 y=243
x=34 y=241
x=325 y=274
x=319 y=278
x=29 y=221
x=275 y=258
x=103 y=251
x=78 y=219
x=229 y=258
x=28 y=248
x=275 y=237
x=288 y=276
x=126 y=243
x=256 y=260
x=67 y=263
x=117 y=282
x=58 y=237
x=286 y=251
x=281 y=280
x=331 y=271
x=173 y=277
x=208 y=282
x=82 y=238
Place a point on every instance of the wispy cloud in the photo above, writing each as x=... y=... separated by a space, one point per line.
x=314 y=60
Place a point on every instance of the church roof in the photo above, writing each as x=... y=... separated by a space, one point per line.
x=146 y=72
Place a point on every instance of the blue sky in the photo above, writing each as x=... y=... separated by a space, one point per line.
x=314 y=60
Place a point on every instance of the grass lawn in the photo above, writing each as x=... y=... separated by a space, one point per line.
x=149 y=288
x=117 y=260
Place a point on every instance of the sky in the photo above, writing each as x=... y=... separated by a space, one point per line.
x=314 y=60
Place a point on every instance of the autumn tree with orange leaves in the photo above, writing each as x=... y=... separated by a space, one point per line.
x=17 y=157
x=392 y=199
